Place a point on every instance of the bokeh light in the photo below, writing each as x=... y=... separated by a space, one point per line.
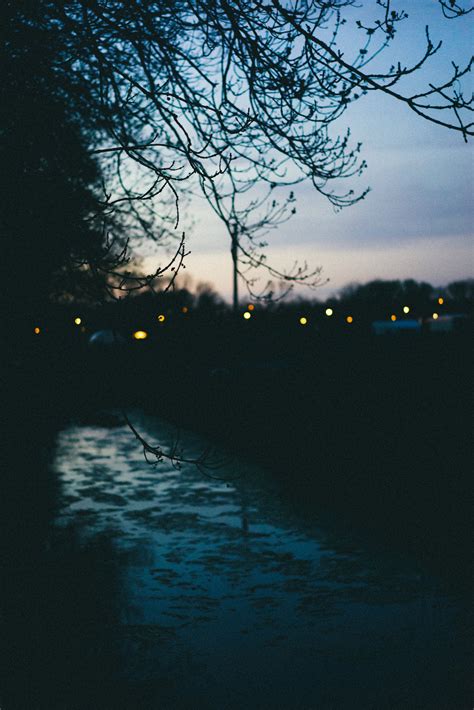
x=349 y=319
x=406 y=309
x=247 y=315
x=393 y=317
x=140 y=335
x=329 y=311
x=37 y=330
x=250 y=307
x=161 y=318
x=435 y=316
x=303 y=320
x=78 y=320
x=440 y=301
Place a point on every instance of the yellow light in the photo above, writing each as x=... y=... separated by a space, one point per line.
x=250 y=307
x=435 y=316
x=440 y=301
x=303 y=320
x=329 y=311
x=161 y=318
x=140 y=335
x=247 y=315
x=406 y=309
x=37 y=330
x=77 y=321
x=184 y=309
x=393 y=317
x=349 y=319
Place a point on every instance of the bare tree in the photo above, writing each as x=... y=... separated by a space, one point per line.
x=236 y=100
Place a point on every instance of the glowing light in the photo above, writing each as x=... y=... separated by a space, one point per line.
x=37 y=330
x=161 y=318
x=247 y=315
x=435 y=316
x=303 y=320
x=440 y=301
x=329 y=311
x=393 y=317
x=349 y=319
x=250 y=307
x=140 y=335
x=406 y=309
x=184 y=309
x=78 y=321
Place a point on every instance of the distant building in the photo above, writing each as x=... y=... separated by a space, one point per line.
x=398 y=327
x=454 y=323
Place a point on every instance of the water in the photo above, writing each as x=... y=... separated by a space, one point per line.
x=162 y=588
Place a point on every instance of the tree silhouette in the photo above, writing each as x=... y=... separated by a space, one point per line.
x=50 y=210
x=235 y=100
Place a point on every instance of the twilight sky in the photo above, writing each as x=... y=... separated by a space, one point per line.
x=417 y=220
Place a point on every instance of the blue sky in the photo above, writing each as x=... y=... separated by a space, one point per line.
x=417 y=220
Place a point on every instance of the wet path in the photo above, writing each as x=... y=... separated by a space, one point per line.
x=185 y=592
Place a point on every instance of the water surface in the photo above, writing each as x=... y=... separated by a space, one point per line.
x=168 y=589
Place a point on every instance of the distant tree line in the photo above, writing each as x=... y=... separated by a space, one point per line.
x=379 y=298
x=375 y=300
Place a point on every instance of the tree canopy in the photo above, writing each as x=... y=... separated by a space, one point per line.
x=234 y=100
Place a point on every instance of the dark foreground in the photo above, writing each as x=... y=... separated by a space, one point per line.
x=336 y=576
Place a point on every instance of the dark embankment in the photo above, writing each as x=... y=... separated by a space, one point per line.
x=375 y=428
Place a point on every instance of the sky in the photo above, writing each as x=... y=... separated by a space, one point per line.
x=417 y=220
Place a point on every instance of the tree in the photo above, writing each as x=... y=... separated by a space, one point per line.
x=114 y=110
x=50 y=215
x=379 y=299
x=462 y=294
x=236 y=100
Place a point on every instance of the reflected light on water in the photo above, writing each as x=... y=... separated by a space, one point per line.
x=223 y=572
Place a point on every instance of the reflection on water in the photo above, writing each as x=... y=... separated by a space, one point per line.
x=170 y=590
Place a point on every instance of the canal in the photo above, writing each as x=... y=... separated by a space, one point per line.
x=154 y=587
